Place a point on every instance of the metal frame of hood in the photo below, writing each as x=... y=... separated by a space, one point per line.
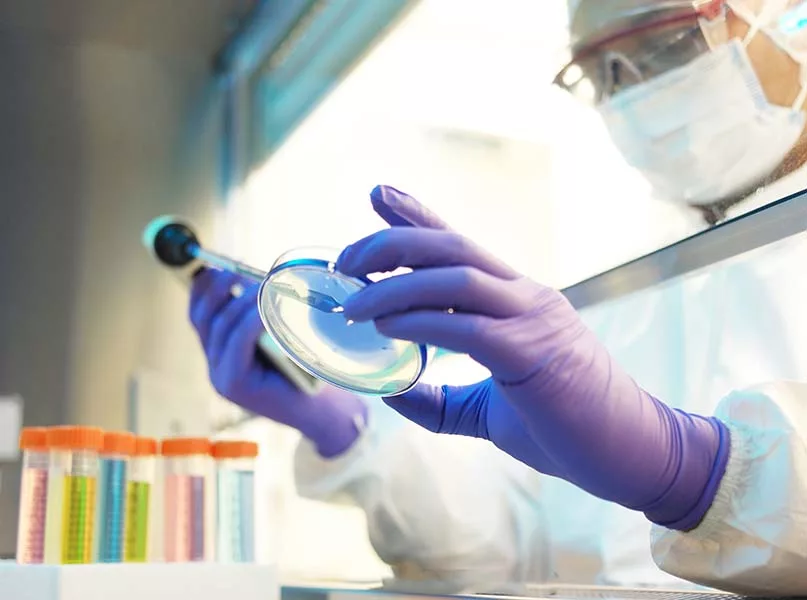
x=766 y=225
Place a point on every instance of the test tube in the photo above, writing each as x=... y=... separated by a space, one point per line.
x=72 y=485
x=235 y=523
x=33 y=496
x=138 y=499
x=187 y=465
x=111 y=513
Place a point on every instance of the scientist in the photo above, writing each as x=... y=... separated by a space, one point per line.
x=680 y=85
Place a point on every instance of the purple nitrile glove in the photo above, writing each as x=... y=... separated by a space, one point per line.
x=557 y=401
x=229 y=328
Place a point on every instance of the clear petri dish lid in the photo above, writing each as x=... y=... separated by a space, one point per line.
x=300 y=303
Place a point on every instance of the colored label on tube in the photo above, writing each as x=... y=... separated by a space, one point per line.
x=185 y=518
x=236 y=516
x=137 y=521
x=78 y=519
x=112 y=515
x=33 y=507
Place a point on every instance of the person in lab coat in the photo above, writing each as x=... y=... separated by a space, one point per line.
x=706 y=99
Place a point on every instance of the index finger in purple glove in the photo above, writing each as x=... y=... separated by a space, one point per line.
x=390 y=249
x=401 y=210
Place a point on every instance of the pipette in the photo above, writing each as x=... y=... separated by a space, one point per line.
x=171 y=241
x=176 y=245
x=300 y=304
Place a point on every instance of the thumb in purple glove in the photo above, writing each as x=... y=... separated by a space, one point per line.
x=476 y=410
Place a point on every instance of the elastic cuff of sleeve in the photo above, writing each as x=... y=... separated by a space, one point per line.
x=695 y=485
x=696 y=514
x=731 y=486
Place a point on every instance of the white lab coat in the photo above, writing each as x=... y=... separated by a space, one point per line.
x=458 y=511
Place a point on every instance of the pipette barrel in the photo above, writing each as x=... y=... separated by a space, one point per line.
x=226 y=263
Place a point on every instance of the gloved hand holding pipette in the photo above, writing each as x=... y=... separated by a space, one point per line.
x=229 y=328
x=557 y=401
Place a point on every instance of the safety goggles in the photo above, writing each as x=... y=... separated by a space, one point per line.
x=641 y=46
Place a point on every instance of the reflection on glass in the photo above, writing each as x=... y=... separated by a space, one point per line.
x=676 y=120
x=694 y=339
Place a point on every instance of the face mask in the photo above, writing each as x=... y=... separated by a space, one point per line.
x=705 y=131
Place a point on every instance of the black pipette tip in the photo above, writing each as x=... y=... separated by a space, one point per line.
x=171 y=241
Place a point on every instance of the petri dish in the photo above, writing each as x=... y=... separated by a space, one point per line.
x=300 y=305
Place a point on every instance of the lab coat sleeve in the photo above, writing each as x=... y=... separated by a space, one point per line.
x=753 y=539
x=440 y=509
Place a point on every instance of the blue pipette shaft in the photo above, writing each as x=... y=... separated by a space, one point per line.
x=226 y=263
x=316 y=300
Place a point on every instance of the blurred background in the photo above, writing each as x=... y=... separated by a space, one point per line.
x=267 y=123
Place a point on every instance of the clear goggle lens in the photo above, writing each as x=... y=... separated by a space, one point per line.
x=632 y=57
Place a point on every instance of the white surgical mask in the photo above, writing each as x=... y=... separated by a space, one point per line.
x=705 y=131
